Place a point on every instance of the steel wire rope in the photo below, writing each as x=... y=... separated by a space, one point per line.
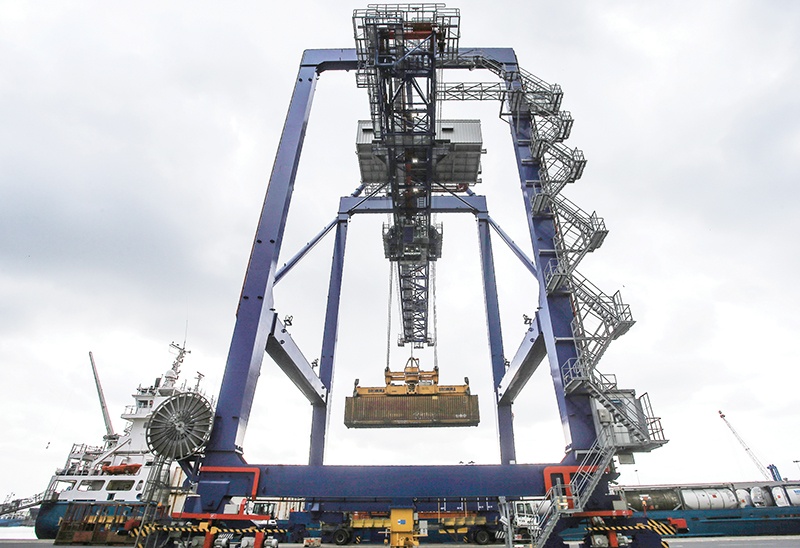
x=435 y=326
x=389 y=315
x=439 y=103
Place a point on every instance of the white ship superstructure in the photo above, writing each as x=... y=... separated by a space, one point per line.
x=118 y=470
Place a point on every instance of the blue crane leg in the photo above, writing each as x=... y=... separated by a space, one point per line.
x=319 y=417
x=505 y=425
x=253 y=316
x=555 y=311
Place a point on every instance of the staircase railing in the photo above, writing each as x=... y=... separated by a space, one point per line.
x=573 y=497
x=635 y=414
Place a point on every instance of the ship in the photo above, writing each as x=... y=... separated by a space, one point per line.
x=726 y=509
x=116 y=471
x=767 y=507
x=752 y=508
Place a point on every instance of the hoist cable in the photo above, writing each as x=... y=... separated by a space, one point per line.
x=389 y=315
x=435 y=328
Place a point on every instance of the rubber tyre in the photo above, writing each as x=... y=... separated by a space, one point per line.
x=341 y=537
x=482 y=537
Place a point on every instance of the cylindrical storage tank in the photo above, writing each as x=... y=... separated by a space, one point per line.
x=793 y=492
x=715 y=500
x=727 y=498
x=761 y=496
x=744 y=498
x=543 y=506
x=657 y=499
x=779 y=496
x=695 y=499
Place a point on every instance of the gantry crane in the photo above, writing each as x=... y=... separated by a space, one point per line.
x=414 y=165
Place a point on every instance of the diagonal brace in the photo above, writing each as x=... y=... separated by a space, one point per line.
x=513 y=247
x=530 y=354
x=302 y=253
x=282 y=348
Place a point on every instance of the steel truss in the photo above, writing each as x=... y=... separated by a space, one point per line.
x=398 y=50
x=573 y=326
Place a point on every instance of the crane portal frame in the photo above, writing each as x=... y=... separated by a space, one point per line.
x=599 y=419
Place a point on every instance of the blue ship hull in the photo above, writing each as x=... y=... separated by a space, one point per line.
x=49 y=518
x=736 y=522
x=771 y=520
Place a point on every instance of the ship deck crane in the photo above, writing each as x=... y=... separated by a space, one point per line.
x=110 y=434
x=400 y=48
x=769 y=472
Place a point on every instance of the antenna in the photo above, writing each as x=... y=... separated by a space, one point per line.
x=176 y=365
x=106 y=417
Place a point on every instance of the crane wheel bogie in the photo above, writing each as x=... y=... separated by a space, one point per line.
x=482 y=537
x=341 y=537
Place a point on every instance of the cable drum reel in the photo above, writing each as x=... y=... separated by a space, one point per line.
x=180 y=426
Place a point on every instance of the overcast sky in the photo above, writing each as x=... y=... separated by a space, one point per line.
x=136 y=141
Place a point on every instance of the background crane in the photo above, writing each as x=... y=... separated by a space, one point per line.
x=769 y=472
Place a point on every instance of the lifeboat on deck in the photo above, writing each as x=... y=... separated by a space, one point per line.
x=121 y=469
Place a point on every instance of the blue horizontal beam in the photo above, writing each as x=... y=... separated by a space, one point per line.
x=330 y=59
x=347 y=59
x=505 y=56
x=382 y=482
x=439 y=204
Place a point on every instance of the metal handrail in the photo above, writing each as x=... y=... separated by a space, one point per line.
x=559 y=496
x=21 y=504
x=572 y=497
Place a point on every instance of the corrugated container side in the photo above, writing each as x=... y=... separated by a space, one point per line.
x=411 y=411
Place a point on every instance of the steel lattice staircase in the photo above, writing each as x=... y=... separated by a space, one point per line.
x=635 y=415
x=623 y=421
x=599 y=318
x=577 y=233
x=573 y=497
